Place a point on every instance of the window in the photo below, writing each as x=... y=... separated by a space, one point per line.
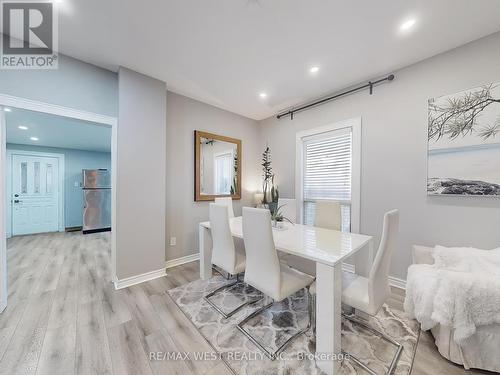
x=48 y=179
x=37 y=177
x=223 y=173
x=24 y=178
x=328 y=169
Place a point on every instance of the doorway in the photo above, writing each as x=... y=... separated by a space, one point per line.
x=36 y=180
x=35 y=192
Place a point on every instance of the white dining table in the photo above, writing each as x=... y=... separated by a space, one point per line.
x=328 y=249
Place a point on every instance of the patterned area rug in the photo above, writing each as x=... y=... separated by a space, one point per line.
x=283 y=320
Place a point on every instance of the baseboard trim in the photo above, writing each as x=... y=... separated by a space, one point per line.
x=133 y=280
x=397 y=283
x=91 y=231
x=182 y=260
x=393 y=281
x=74 y=229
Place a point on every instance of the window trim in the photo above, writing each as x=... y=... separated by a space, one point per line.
x=355 y=125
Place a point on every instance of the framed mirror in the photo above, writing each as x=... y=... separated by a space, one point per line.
x=217 y=167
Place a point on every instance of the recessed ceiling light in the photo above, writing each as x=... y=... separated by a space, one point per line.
x=22 y=127
x=314 y=69
x=34 y=138
x=7 y=109
x=407 y=24
x=263 y=95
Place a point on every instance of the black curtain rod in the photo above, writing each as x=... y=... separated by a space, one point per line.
x=369 y=85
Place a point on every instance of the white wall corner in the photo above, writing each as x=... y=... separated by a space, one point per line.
x=182 y=260
x=134 y=280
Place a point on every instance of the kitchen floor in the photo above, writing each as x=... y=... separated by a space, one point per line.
x=64 y=316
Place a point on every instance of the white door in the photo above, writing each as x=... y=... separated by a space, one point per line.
x=35 y=194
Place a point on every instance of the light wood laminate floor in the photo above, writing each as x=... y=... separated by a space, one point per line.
x=64 y=316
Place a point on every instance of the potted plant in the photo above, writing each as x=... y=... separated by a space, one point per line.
x=278 y=219
x=269 y=190
x=267 y=174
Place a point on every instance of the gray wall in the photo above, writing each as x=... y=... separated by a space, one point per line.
x=74 y=84
x=394 y=150
x=184 y=116
x=74 y=162
x=140 y=223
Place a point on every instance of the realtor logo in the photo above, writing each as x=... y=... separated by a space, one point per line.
x=29 y=35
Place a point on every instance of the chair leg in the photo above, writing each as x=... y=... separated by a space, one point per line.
x=269 y=354
x=361 y=315
x=219 y=271
x=399 y=346
x=238 y=308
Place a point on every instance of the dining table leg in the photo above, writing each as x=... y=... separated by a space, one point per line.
x=328 y=317
x=205 y=243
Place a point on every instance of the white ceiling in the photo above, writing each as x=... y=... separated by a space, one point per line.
x=226 y=52
x=56 y=131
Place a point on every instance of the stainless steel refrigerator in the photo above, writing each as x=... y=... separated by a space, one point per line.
x=96 y=200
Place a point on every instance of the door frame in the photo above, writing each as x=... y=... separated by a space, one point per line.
x=33 y=105
x=61 y=215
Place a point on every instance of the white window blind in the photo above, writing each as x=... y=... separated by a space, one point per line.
x=327 y=172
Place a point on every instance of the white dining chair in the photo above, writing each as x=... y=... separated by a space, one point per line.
x=288 y=208
x=368 y=294
x=327 y=214
x=224 y=254
x=265 y=272
x=228 y=202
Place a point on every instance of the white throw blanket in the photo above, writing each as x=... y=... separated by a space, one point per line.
x=460 y=290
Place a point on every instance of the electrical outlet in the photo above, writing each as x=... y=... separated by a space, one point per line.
x=173 y=241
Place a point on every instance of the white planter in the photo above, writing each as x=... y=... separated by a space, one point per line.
x=278 y=224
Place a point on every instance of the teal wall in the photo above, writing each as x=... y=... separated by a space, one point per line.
x=74 y=84
x=74 y=162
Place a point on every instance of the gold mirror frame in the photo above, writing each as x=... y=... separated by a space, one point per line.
x=198 y=197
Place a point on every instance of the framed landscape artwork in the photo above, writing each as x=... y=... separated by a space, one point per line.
x=464 y=143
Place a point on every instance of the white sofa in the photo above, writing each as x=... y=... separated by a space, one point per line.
x=482 y=350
